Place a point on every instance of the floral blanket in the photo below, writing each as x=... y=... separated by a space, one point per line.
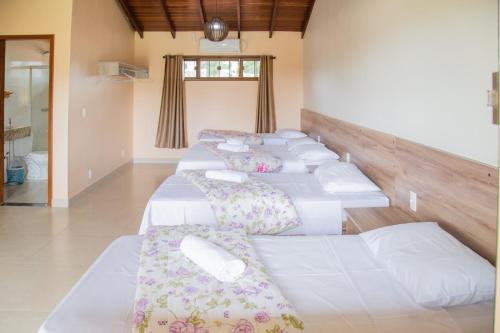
x=255 y=160
x=256 y=206
x=247 y=138
x=174 y=295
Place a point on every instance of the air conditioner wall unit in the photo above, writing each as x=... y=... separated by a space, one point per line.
x=118 y=69
x=227 y=46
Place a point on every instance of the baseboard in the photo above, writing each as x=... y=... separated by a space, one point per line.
x=90 y=187
x=156 y=160
x=60 y=203
x=65 y=203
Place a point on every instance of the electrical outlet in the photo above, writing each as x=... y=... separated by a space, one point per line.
x=90 y=173
x=348 y=157
x=123 y=153
x=84 y=112
x=413 y=201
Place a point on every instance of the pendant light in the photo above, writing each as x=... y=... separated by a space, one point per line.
x=216 y=29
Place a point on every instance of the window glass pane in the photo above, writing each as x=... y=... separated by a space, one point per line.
x=251 y=68
x=224 y=68
x=214 y=72
x=190 y=68
x=204 y=68
x=234 y=68
x=248 y=68
x=257 y=68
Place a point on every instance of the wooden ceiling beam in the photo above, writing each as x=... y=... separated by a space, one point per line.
x=272 y=25
x=131 y=17
x=308 y=16
x=166 y=15
x=238 y=14
x=203 y=17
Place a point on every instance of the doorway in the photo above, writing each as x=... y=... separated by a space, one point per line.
x=26 y=79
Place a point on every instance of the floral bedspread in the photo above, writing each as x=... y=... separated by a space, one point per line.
x=255 y=206
x=247 y=138
x=255 y=160
x=174 y=295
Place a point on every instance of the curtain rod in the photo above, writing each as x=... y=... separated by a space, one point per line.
x=219 y=56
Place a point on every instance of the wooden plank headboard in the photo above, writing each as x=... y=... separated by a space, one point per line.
x=458 y=193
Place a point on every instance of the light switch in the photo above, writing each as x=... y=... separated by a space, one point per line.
x=413 y=201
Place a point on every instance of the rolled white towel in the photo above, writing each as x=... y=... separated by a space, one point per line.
x=227 y=175
x=236 y=142
x=233 y=148
x=212 y=259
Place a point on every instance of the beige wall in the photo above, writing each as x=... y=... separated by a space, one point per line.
x=22 y=17
x=418 y=69
x=96 y=141
x=230 y=105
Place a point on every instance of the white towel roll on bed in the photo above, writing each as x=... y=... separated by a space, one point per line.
x=227 y=175
x=213 y=259
x=233 y=148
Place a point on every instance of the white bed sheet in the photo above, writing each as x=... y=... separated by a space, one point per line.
x=334 y=282
x=199 y=157
x=178 y=201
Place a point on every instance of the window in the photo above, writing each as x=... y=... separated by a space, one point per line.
x=251 y=68
x=221 y=68
x=189 y=68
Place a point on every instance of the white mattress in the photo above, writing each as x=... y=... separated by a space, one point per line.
x=199 y=157
x=178 y=201
x=333 y=281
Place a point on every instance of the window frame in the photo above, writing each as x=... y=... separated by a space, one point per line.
x=200 y=58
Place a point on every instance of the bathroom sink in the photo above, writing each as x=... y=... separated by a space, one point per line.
x=10 y=134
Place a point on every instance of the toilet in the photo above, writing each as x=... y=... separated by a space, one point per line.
x=37 y=164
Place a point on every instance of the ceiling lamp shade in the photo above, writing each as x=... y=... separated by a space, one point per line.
x=216 y=30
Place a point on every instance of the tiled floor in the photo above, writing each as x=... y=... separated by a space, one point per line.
x=29 y=192
x=43 y=251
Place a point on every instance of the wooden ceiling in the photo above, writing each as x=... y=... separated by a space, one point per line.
x=240 y=15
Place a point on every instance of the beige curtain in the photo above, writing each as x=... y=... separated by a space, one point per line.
x=266 y=115
x=172 y=131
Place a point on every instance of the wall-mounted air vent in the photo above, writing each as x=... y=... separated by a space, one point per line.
x=227 y=46
x=118 y=69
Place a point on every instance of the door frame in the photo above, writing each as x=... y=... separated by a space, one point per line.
x=51 y=39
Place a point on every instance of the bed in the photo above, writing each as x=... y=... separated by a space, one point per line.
x=334 y=282
x=199 y=157
x=178 y=201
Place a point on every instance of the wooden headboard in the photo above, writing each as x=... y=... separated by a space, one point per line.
x=458 y=193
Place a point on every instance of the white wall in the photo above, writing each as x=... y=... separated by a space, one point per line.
x=418 y=69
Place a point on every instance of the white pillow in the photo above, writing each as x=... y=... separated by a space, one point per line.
x=289 y=133
x=336 y=177
x=292 y=143
x=314 y=154
x=436 y=269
